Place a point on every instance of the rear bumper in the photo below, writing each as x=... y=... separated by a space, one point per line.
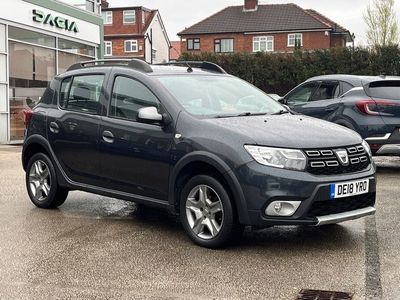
x=389 y=149
x=346 y=216
x=385 y=144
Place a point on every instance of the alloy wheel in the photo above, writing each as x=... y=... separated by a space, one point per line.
x=204 y=212
x=39 y=180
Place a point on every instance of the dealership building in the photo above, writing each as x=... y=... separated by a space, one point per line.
x=38 y=40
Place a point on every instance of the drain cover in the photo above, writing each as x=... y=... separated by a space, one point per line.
x=323 y=295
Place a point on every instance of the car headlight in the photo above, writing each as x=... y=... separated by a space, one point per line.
x=367 y=148
x=279 y=158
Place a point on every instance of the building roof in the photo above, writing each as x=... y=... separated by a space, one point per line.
x=326 y=20
x=267 y=18
x=175 y=50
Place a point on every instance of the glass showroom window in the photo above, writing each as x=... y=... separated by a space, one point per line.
x=295 y=39
x=223 y=45
x=129 y=17
x=31 y=70
x=263 y=44
x=107 y=48
x=71 y=52
x=107 y=17
x=131 y=46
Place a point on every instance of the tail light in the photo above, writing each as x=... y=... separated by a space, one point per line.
x=373 y=107
x=28 y=113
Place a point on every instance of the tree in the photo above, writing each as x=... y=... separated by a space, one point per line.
x=381 y=20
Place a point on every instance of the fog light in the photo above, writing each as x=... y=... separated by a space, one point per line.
x=282 y=208
x=277 y=207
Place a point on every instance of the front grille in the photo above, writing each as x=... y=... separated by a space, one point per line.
x=326 y=162
x=337 y=206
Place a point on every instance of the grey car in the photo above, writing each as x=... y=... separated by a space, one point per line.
x=370 y=105
x=194 y=140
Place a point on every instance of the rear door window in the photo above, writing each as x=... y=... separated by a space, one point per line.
x=82 y=93
x=346 y=87
x=327 y=90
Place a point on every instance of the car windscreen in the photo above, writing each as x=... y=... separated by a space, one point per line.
x=222 y=96
x=385 y=89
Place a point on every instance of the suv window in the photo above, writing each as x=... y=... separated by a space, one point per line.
x=81 y=93
x=327 y=90
x=303 y=93
x=128 y=97
x=346 y=87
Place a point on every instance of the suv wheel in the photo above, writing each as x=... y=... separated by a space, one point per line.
x=41 y=183
x=207 y=214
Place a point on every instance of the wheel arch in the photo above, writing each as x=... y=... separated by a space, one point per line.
x=32 y=145
x=200 y=162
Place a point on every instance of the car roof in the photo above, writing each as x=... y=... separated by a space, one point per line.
x=355 y=80
x=179 y=67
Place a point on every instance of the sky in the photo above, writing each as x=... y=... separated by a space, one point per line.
x=179 y=14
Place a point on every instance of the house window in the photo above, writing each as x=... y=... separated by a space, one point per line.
x=143 y=17
x=193 y=44
x=223 y=45
x=131 y=46
x=107 y=48
x=107 y=17
x=263 y=44
x=295 y=39
x=154 y=54
x=129 y=17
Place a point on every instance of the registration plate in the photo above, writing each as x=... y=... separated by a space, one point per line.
x=348 y=189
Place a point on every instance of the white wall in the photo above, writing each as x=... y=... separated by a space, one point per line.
x=160 y=42
x=3 y=86
x=19 y=11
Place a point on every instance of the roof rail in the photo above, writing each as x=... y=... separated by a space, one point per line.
x=205 y=65
x=135 y=63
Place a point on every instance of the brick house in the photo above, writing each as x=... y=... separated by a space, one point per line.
x=268 y=28
x=135 y=32
x=175 y=50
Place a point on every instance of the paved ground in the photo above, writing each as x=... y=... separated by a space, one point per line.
x=95 y=247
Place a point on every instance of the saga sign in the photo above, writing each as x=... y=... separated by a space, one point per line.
x=62 y=23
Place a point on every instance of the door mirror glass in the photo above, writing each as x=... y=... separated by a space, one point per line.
x=282 y=101
x=149 y=115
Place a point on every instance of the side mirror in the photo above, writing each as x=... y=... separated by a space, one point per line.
x=149 y=115
x=282 y=100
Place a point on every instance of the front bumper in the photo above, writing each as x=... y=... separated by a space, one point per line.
x=263 y=185
x=345 y=216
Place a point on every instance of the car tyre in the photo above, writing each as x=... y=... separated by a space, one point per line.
x=207 y=213
x=41 y=183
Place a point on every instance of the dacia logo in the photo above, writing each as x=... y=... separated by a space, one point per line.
x=62 y=23
x=343 y=157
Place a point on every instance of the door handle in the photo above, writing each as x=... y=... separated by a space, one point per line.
x=108 y=137
x=54 y=128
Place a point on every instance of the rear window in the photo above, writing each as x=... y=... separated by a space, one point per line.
x=385 y=89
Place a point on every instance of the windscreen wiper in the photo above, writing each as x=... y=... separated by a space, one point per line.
x=281 y=112
x=245 y=114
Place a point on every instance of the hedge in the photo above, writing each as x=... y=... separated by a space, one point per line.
x=280 y=72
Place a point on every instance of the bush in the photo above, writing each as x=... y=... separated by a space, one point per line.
x=280 y=72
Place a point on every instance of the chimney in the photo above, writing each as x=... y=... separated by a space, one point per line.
x=104 y=4
x=250 y=5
